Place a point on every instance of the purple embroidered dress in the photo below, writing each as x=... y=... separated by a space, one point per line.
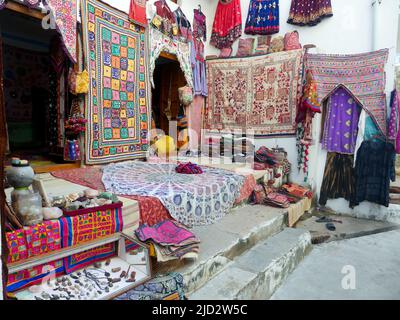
x=341 y=123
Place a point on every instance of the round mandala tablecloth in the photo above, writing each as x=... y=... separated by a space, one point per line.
x=191 y=199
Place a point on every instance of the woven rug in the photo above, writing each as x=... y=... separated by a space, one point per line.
x=117 y=103
x=191 y=199
x=256 y=93
x=88 y=227
x=362 y=74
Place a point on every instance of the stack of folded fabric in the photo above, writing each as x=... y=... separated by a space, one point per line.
x=276 y=199
x=188 y=168
x=171 y=240
x=297 y=191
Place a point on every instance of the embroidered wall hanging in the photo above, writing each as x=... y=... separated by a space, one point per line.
x=162 y=43
x=117 y=103
x=256 y=93
x=362 y=74
x=88 y=227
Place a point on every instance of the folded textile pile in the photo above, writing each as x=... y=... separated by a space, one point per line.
x=297 y=191
x=171 y=240
x=188 y=168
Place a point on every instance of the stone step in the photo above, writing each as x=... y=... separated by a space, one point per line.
x=225 y=240
x=258 y=273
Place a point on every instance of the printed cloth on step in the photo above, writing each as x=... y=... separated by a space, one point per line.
x=227 y=27
x=341 y=123
x=309 y=12
x=263 y=17
x=190 y=199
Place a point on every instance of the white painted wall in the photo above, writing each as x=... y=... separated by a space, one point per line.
x=350 y=30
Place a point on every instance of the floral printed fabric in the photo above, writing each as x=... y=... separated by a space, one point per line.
x=191 y=199
x=64 y=12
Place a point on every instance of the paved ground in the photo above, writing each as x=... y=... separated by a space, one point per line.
x=348 y=228
x=375 y=260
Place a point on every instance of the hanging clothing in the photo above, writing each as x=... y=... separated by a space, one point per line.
x=339 y=181
x=137 y=11
x=185 y=28
x=168 y=24
x=375 y=167
x=394 y=113
x=200 y=86
x=309 y=12
x=341 y=123
x=199 y=25
x=263 y=17
x=227 y=27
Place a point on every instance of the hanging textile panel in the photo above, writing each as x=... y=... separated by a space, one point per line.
x=118 y=99
x=162 y=43
x=255 y=93
x=64 y=13
x=362 y=74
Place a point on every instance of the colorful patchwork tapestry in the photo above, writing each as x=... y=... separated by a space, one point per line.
x=117 y=103
x=362 y=74
x=162 y=43
x=64 y=13
x=190 y=199
x=256 y=93
x=88 y=227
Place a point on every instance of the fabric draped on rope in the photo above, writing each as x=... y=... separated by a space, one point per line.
x=256 y=93
x=190 y=199
x=118 y=101
x=363 y=75
x=88 y=227
x=162 y=43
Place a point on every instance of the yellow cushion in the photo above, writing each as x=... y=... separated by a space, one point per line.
x=165 y=145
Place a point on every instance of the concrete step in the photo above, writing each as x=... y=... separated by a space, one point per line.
x=365 y=268
x=258 y=273
x=222 y=242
